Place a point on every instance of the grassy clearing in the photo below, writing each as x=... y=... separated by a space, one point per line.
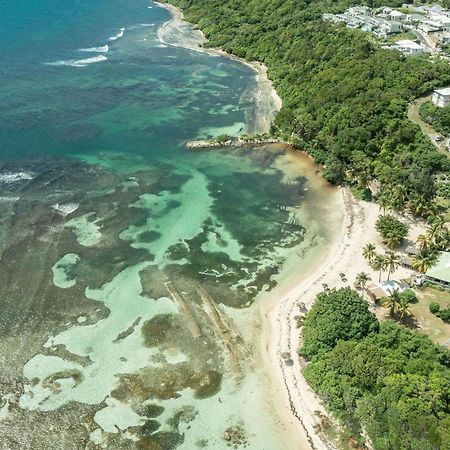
x=428 y=323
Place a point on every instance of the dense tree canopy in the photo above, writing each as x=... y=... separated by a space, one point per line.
x=392 y=382
x=439 y=118
x=392 y=230
x=344 y=98
x=337 y=314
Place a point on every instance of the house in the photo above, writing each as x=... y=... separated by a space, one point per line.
x=392 y=14
x=428 y=26
x=392 y=26
x=409 y=47
x=440 y=272
x=358 y=10
x=377 y=291
x=441 y=97
x=440 y=20
x=414 y=18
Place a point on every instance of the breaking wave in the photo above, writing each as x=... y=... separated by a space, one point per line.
x=103 y=49
x=78 y=62
x=12 y=177
x=118 y=35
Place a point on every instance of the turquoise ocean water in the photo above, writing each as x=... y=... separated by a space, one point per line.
x=130 y=268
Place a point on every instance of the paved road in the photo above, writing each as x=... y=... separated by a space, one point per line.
x=413 y=115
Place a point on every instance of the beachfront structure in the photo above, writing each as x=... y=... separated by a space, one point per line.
x=440 y=272
x=441 y=97
x=377 y=291
x=409 y=47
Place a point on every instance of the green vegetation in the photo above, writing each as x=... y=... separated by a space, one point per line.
x=344 y=98
x=386 y=381
x=335 y=315
x=438 y=118
x=399 y=303
x=223 y=138
x=399 y=36
x=361 y=280
x=392 y=231
x=429 y=324
x=436 y=239
x=389 y=261
x=444 y=314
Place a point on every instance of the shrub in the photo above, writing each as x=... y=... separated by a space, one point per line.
x=444 y=314
x=409 y=295
x=434 y=308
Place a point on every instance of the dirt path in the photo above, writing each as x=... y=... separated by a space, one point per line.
x=414 y=116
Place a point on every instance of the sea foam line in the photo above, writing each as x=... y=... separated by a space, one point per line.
x=103 y=49
x=11 y=177
x=118 y=35
x=78 y=62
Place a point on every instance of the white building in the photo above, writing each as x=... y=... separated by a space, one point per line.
x=441 y=97
x=358 y=10
x=409 y=47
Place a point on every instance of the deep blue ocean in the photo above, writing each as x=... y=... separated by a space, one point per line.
x=89 y=76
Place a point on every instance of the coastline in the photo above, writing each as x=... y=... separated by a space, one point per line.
x=294 y=402
x=179 y=33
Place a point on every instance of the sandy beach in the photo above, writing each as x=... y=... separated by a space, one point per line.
x=297 y=406
x=265 y=100
x=281 y=336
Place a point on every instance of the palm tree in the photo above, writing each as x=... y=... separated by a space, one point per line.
x=398 y=194
x=418 y=205
x=393 y=241
x=423 y=241
x=361 y=280
x=369 y=252
x=391 y=301
x=378 y=263
x=438 y=233
x=403 y=308
x=424 y=260
x=392 y=262
x=383 y=201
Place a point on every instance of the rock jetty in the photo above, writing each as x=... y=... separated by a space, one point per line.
x=209 y=144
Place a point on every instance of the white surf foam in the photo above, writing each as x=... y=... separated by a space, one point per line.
x=8 y=199
x=65 y=208
x=11 y=177
x=118 y=35
x=103 y=49
x=78 y=62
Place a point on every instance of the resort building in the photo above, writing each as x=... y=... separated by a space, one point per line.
x=440 y=272
x=441 y=97
x=409 y=47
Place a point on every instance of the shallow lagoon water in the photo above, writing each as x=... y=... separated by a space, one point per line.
x=131 y=269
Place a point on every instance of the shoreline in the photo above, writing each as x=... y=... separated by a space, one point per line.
x=276 y=311
x=179 y=33
x=281 y=337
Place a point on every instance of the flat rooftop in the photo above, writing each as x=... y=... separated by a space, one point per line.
x=409 y=44
x=443 y=91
